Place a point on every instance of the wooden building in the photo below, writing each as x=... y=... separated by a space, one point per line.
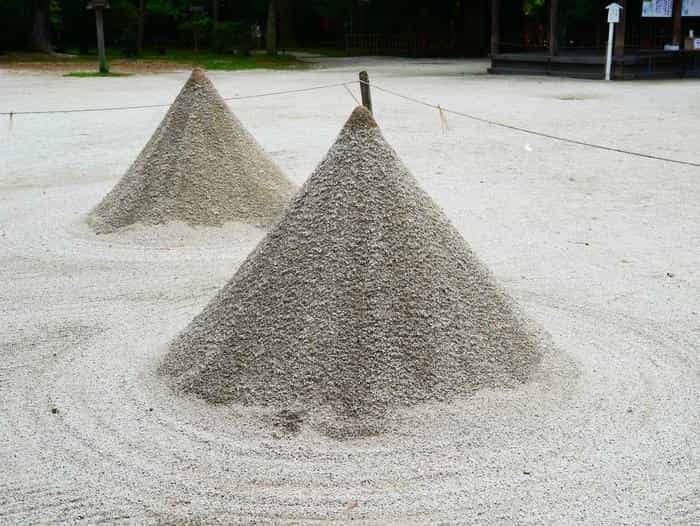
x=568 y=38
x=418 y=28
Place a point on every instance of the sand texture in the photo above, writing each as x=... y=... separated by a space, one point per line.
x=598 y=249
x=362 y=298
x=200 y=166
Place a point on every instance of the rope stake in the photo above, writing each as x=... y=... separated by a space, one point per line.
x=443 y=119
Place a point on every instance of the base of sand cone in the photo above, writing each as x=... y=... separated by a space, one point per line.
x=363 y=299
x=200 y=167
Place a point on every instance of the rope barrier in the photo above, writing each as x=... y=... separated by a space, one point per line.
x=535 y=132
x=441 y=111
x=148 y=106
x=83 y=110
x=286 y=92
x=352 y=94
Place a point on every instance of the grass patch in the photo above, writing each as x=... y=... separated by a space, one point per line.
x=82 y=74
x=227 y=61
x=28 y=58
x=323 y=51
x=152 y=60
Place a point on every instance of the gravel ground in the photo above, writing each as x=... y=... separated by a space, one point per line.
x=597 y=248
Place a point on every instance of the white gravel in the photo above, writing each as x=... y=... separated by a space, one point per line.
x=599 y=249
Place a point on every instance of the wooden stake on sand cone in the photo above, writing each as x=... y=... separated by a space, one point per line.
x=365 y=91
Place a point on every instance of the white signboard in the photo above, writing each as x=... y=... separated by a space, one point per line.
x=691 y=7
x=614 y=13
x=657 y=8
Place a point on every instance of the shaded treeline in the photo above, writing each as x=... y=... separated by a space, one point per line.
x=226 y=25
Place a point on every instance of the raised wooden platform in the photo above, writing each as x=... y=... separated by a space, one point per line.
x=591 y=65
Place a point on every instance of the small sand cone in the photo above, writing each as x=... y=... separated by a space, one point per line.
x=200 y=166
x=361 y=299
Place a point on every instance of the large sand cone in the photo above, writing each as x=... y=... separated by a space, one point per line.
x=361 y=299
x=200 y=166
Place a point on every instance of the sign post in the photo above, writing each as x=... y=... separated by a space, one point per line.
x=613 y=18
x=99 y=6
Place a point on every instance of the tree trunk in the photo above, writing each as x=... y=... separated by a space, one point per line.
x=139 y=36
x=215 y=11
x=271 y=28
x=553 y=28
x=99 y=23
x=40 y=26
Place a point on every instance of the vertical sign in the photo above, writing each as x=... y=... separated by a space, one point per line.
x=613 y=18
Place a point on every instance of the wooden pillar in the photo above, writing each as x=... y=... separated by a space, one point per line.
x=620 y=33
x=677 y=22
x=101 y=39
x=495 y=26
x=553 y=27
x=271 y=31
x=139 y=30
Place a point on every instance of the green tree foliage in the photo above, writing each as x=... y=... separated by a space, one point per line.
x=228 y=25
x=15 y=24
x=533 y=7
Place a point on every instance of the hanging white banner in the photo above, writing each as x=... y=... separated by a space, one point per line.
x=664 y=8
x=691 y=7
x=657 y=8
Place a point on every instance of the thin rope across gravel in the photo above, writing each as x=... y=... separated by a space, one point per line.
x=363 y=298
x=200 y=166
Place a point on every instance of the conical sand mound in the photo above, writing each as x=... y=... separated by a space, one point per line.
x=363 y=298
x=201 y=166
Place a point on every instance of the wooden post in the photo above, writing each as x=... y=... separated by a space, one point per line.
x=495 y=26
x=620 y=40
x=553 y=28
x=40 y=26
x=101 y=39
x=271 y=27
x=677 y=23
x=365 y=91
x=139 y=32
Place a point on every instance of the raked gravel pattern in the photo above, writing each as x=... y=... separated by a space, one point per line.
x=598 y=249
x=201 y=167
x=362 y=299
